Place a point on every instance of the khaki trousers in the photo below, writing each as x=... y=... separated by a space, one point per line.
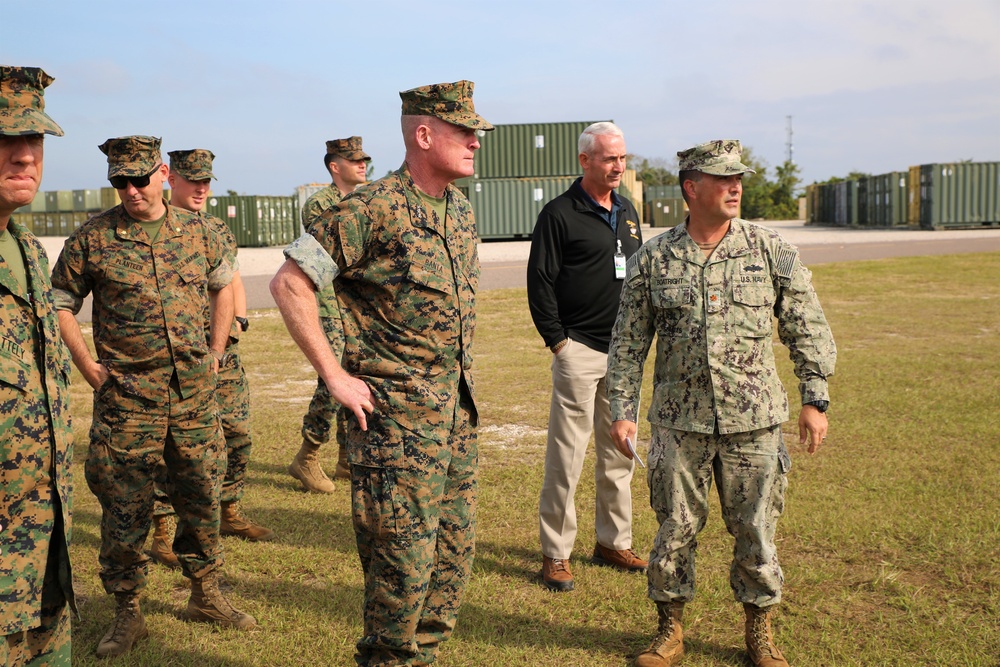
x=580 y=408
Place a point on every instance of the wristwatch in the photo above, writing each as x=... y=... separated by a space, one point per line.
x=219 y=356
x=822 y=406
x=244 y=322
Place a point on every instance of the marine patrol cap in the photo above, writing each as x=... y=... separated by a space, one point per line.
x=349 y=149
x=136 y=155
x=193 y=165
x=451 y=102
x=22 y=102
x=720 y=157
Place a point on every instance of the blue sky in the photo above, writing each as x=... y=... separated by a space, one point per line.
x=871 y=85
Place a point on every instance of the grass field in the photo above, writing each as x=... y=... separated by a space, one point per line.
x=890 y=540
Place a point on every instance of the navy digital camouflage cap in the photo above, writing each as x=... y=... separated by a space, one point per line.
x=349 y=149
x=22 y=102
x=451 y=102
x=193 y=165
x=720 y=157
x=136 y=155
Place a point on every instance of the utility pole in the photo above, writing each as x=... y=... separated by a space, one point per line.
x=788 y=143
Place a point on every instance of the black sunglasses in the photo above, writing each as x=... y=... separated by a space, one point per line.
x=121 y=182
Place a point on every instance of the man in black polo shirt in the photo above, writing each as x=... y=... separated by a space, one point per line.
x=579 y=248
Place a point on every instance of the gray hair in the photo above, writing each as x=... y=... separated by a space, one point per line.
x=588 y=138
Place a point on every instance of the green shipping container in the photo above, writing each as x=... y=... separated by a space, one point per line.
x=109 y=198
x=665 y=212
x=531 y=150
x=57 y=201
x=509 y=207
x=888 y=206
x=652 y=192
x=87 y=200
x=257 y=221
x=37 y=205
x=960 y=195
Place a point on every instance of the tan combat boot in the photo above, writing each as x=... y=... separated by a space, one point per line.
x=760 y=642
x=667 y=648
x=128 y=627
x=208 y=605
x=162 y=548
x=234 y=522
x=305 y=468
x=343 y=469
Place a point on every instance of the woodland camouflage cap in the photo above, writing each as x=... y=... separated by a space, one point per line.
x=720 y=157
x=349 y=149
x=193 y=165
x=132 y=156
x=451 y=102
x=22 y=102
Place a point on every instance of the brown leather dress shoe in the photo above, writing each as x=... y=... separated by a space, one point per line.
x=625 y=560
x=556 y=574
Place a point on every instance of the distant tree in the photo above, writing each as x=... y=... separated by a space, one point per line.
x=232 y=193
x=764 y=199
x=852 y=176
x=369 y=171
x=653 y=171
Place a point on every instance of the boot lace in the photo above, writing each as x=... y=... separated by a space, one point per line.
x=559 y=565
x=759 y=634
x=123 y=619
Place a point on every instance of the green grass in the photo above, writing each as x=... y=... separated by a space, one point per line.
x=890 y=540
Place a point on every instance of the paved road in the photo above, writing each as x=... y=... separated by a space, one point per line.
x=503 y=262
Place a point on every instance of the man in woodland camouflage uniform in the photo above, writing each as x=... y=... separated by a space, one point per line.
x=151 y=268
x=401 y=253
x=190 y=181
x=708 y=291
x=36 y=446
x=347 y=164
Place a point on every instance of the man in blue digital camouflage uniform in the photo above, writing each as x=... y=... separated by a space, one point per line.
x=401 y=253
x=709 y=291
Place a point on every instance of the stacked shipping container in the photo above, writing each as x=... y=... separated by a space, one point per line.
x=520 y=168
x=255 y=221
x=930 y=196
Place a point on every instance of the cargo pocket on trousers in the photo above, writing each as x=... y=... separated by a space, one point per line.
x=99 y=468
x=374 y=503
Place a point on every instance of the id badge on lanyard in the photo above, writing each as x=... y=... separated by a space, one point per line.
x=619 y=262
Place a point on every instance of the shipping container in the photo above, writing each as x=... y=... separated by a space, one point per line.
x=57 y=201
x=257 y=221
x=509 y=207
x=845 y=204
x=530 y=150
x=913 y=197
x=957 y=195
x=888 y=206
x=109 y=198
x=864 y=197
x=666 y=212
x=37 y=205
x=87 y=200
x=811 y=191
x=634 y=189
x=662 y=192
